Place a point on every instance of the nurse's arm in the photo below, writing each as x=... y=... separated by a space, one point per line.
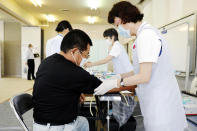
x=125 y=75
x=143 y=76
x=103 y=61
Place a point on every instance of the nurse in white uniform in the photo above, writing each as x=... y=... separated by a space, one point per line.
x=53 y=44
x=157 y=88
x=117 y=54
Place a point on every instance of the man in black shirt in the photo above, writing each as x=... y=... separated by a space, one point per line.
x=59 y=83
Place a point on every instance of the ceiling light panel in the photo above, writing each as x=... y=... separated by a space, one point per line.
x=93 y=4
x=91 y=19
x=50 y=18
x=36 y=2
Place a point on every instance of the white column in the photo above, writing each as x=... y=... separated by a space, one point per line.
x=175 y=9
x=148 y=13
x=160 y=12
x=1 y=48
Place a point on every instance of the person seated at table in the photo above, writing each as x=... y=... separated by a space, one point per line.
x=59 y=83
x=58 y=86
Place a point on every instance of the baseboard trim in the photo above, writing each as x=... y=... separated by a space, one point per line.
x=16 y=76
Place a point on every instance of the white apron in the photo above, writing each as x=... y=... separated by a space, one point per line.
x=160 y=98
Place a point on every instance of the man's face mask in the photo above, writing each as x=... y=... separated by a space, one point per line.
x=123 y=32
x=83 y=60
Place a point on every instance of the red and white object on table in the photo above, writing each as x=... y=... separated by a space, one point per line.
x=190 y=105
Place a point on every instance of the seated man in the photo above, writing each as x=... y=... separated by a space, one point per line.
x=58 y=86
x=59 y=83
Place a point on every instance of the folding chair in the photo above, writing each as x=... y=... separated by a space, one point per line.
x=20 y=105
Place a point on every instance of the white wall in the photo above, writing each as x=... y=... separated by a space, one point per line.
x=94 y=31
x=12 y=49
x=161 y=12
x=99 y=49
x=1 y=48
x=96 y=34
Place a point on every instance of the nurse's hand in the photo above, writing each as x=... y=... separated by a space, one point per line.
x=106 y=86
x=88 y=64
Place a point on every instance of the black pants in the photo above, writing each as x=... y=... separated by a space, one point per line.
x=31 y=68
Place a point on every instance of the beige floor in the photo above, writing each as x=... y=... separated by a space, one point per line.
x=10 y=87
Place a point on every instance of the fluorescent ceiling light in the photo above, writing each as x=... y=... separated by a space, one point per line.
x=50 y=18
x=93 y=4
x=91 y=19
x=33 y=2
x=36 y=2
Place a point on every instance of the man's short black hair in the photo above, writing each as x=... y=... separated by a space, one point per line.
x=63 y=25
x=75 y=39
x=111 y=32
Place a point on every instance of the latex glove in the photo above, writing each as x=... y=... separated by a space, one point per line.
x=106 y=86
x=87 y=65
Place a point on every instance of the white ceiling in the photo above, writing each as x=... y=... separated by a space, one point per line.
x=78 y=10
x=6 y=17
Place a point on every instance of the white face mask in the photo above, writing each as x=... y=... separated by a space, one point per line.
x=83 y=61
x=109 y=42
x=123 y=32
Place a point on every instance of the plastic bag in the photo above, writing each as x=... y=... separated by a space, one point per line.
x=122 y=110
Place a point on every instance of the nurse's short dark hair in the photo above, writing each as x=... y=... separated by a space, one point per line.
x=75 y=39
x=63 y=25
x=126 y=11
x=111 y=32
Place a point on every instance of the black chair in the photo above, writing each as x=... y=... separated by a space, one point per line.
x=20 y=105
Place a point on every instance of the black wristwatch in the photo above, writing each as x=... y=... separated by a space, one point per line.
x=121 y=82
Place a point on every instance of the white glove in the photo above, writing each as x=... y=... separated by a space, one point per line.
x=106 y=86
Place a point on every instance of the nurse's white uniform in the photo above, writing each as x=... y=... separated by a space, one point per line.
x=160 y=98
x=53 y=45
x=120 y=60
